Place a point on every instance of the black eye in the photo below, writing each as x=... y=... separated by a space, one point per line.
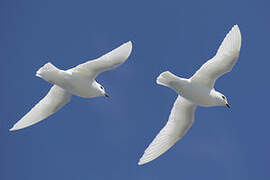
x=101 y=87
x=223 y=97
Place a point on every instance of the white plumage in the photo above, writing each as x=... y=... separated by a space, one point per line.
x=180 y=120
x=56 y=98
x=197 y=90
x=223 y=61
x=78 y=81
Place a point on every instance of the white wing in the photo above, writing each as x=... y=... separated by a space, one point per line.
x=180 y=120
x=223 y=61
x=52 y=102
x=106 y=62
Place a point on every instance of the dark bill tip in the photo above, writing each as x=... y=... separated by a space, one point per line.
x=107 y=95
x=228 y=105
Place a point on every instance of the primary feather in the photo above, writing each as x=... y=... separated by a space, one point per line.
x=180 y=120
x=56 y=98
x=222 y=62
x=106 y=62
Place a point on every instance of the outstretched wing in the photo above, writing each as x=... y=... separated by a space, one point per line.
x=106 y=62
x=52 y=102
x=180 y=120
x=223 y=61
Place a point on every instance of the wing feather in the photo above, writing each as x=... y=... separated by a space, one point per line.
x=223 y=61
x=180 y=120
x=52 y=102
x=106 y=62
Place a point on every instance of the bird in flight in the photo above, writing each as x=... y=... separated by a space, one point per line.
x=195 y=91
x=79 y=81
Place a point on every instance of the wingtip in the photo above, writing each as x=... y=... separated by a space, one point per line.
x=38 y=75
x=236 y=28
x=129 y=44
x=144 y=160
x=12 y=129
x=17 y=127
x=232 y=41
x=141 y=163
x=127 y=48
x=238 y=36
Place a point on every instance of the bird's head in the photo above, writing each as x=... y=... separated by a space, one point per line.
x=100 y=89
x=222 y=100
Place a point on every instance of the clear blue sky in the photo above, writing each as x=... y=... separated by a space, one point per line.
x=104 y=138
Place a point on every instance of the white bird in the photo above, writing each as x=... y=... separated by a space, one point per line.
x=195 y=91
x=79 y=81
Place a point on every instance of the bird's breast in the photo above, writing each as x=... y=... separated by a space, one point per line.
x=197 y=93
x=80 y=86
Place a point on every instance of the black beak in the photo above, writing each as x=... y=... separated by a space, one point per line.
x=106 y=95
x=228 y=105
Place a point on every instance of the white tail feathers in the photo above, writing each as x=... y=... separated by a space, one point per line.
x=167 y=78
x=49 y=73
x=48 y=67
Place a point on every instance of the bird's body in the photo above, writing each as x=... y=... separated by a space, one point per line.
x=195 y=91
x=81 y=86
x=198 y=94
x=79 y=81
x=88 y=88
x=70 y=80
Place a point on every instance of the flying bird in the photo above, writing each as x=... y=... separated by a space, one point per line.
x=79 y=81
x=195 y=91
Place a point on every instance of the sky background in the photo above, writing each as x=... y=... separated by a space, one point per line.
x=102 y=138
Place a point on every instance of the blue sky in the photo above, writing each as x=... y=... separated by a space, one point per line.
x=102 y=138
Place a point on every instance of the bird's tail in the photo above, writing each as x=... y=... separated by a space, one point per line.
x=50 y=73
x=45 y=70
x=167 y=78
x=170 y=80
